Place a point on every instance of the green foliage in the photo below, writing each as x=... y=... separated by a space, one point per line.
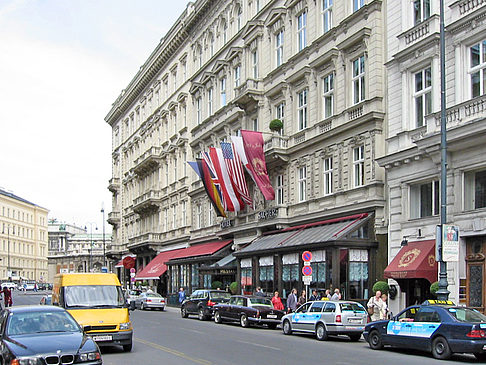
x=145 y=283
x=276 y=125
x=233 y=287
x=381 y=286
x=216 y=284
x=434 y=287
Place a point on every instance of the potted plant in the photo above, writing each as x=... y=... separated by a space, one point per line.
x=276 y=125
x=434 y=287
x=381 y=286
x=216 y=284
x=233 y=287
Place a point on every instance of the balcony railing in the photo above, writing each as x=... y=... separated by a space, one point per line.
x=418 y=32
x=146 y=201
x=147 y=161
x=114 y=184
x=114 y=218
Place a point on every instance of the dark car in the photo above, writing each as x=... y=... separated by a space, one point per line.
x=44 y=335
x=436 y=326
x=202 y=302
x=248 y=310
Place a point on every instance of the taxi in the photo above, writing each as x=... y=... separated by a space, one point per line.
x=437 y=326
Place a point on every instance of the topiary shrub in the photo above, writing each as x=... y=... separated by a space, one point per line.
x=233 y=287
x=381 y=286
x=276 y=125
x=434 y=287
x=216 y=284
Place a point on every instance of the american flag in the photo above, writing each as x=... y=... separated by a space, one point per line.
x=236 y=172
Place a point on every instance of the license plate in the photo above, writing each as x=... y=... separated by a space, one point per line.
x=354 y=320
x=356 y=328
x=484 y=347
x=271 y=316
x=103 y=338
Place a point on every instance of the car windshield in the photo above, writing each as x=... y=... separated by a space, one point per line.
x=220 y=295
x=261 y=301
x=351 y=307
x=157 y=295
x=40 y=322
x=463 y=314
x=93 y=296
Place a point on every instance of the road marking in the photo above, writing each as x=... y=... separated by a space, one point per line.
x=173 y=352
x=257 y=344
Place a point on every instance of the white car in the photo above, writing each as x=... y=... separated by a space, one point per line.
x=11 y=286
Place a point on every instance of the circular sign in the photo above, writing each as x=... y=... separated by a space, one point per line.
x=307 y=270
x=307 y=256
x=133 y=270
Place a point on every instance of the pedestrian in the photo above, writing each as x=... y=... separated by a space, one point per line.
x=327 y=295
x=7 y=297
x=336 y=295
x=376 y=307
x=182 y=295
x=292 y=301
x=259 y=292
x=384 y=297
x=277 y=302
x=314 y=295
x=302 y=298
x=149 y=290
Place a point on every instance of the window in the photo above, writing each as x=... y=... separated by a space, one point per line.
x=302 y=96
x=255 y=124
x=327 y=168
x=174 y=217
x=422 y=95
x=357 y=4
x=280 y=114
x=239 y=18
x=358 y=274
x=175 y=169
x=166 y=219
x=424 y=199
x=236 y=73
x=184 y=212
x=475 y=190
x=279 y=38
x=478 y=69
x=290 y=272
x=211 y=46
x=246 y=274
x=266 y=273
x=302 y=183
x=210 y=101
x=222 y=84
x=358 y=166
x=358 y=80
x=328 y=95
x=254 y=63
x=225 y=33
x=199 y=216
x=326 y=15
x=421 y=11
x=301 y=30
x=198 y=111
x=200 y=57
x=318 y=264
x=280 y=189
x=210 y=215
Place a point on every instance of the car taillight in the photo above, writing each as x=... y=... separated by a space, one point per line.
x=149 y=300
x=476 y=334
x=211 y=303
x=338 y=318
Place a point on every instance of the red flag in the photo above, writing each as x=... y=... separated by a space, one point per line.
x=253 y=145
x=231 y=199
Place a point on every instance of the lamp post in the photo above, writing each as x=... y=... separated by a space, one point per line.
x=104 y=251
x=90 y=249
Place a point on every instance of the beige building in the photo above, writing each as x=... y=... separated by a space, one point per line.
x=23 y=239
x=231 y=65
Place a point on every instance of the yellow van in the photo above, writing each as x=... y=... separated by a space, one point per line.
x=97 y=303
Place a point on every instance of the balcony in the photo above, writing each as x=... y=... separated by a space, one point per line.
x=114 y=218
x=275 y=148
x=114 y=185
x=145 y=239
x=148 y=161
x=148 y=201
x=248 y=94
x=418 y=33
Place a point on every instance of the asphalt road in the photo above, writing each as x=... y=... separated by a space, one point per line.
x=165 y=337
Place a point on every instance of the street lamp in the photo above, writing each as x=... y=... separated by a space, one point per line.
x=90 y=249
x=8 y=250
x=104 y=251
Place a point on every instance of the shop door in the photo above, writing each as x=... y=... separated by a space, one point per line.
x=475 y=262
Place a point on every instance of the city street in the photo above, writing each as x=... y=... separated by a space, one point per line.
x=168 y=337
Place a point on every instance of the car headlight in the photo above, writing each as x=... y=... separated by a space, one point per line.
x=89 y=356
x=125 y=326
x=26 y=361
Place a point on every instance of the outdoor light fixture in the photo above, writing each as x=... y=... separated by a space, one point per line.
x=404 y=242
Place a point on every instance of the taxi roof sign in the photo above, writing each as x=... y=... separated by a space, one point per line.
x=438 y=302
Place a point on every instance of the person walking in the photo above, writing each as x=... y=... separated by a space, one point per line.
x=277 y=302
x=182 y=295
x=7 y=297
x=336 y=295
x=259 y=292
x=292 y=301
x=302 y=298
x=376 y=307
x=314 y=296
x=327 y=295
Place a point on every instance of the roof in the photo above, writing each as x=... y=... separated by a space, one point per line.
x=225 y=261
x=157 y=266
x=13 y=196
x=35 y=308
x=313 y=233
x=88 y=279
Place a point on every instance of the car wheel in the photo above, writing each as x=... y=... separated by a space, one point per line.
x=287 y=330
x=217 y=317
x=441 y=349
x=375 y=340
x=244 y=321
x=184 y=312
x=201 y=315
x=272 y=326
x=481 y=356
x=355 y=337
x=127 y=348
x=321 y=332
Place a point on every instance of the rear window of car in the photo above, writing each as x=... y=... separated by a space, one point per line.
x=219 y=295
x=351 y=307
x=463 y=314
x=154 y=295
x=261 y=301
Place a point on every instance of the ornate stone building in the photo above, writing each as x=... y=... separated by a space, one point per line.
x=231 y=65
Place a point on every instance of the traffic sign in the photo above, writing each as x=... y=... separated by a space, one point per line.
x=307 y=270
x=307 y=280
x=307 y=256
x=132 y=280
x=133 y=270
x=132 y=274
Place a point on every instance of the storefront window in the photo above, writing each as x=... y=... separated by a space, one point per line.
x=246 y=275
x=318 y=264
x=290 y=273
x=184 y=276
x=266 y=274
x=195 y=276
x=358 y=274
x=174 y=274
x=207 y=281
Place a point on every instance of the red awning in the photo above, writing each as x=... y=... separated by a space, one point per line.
x=414 y=261
x=157 y=266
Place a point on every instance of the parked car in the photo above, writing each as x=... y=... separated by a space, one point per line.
x=150 y=300
x=46 y=300
x=131 y=295
x=248 y=310
x=324 y=318
x=44 y=334
x=436 y=326
x=10 y=285
x=201 y=302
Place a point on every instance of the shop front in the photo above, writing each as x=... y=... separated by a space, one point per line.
x=223 y=271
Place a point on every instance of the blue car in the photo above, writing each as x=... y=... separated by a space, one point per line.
x=436 y=326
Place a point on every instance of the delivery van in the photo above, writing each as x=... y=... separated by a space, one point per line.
x=97 y=303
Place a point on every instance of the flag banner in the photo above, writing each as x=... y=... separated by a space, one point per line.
x=236 y=172
x=195 y=167
x=231 y=199
x=211 y=189
x=253 y=146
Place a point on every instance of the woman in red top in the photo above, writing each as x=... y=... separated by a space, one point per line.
x=277 y=302
x=7 y=296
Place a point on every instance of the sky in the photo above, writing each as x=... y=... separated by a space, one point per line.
x=62 y=65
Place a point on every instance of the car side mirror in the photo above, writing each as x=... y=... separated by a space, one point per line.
x=86 y=328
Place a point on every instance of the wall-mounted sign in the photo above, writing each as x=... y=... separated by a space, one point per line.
x=268 y=214
x=450 y=243
x=227 y=223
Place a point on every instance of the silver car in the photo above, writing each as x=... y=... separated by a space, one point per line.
x=324 y=318
x=150 y=300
